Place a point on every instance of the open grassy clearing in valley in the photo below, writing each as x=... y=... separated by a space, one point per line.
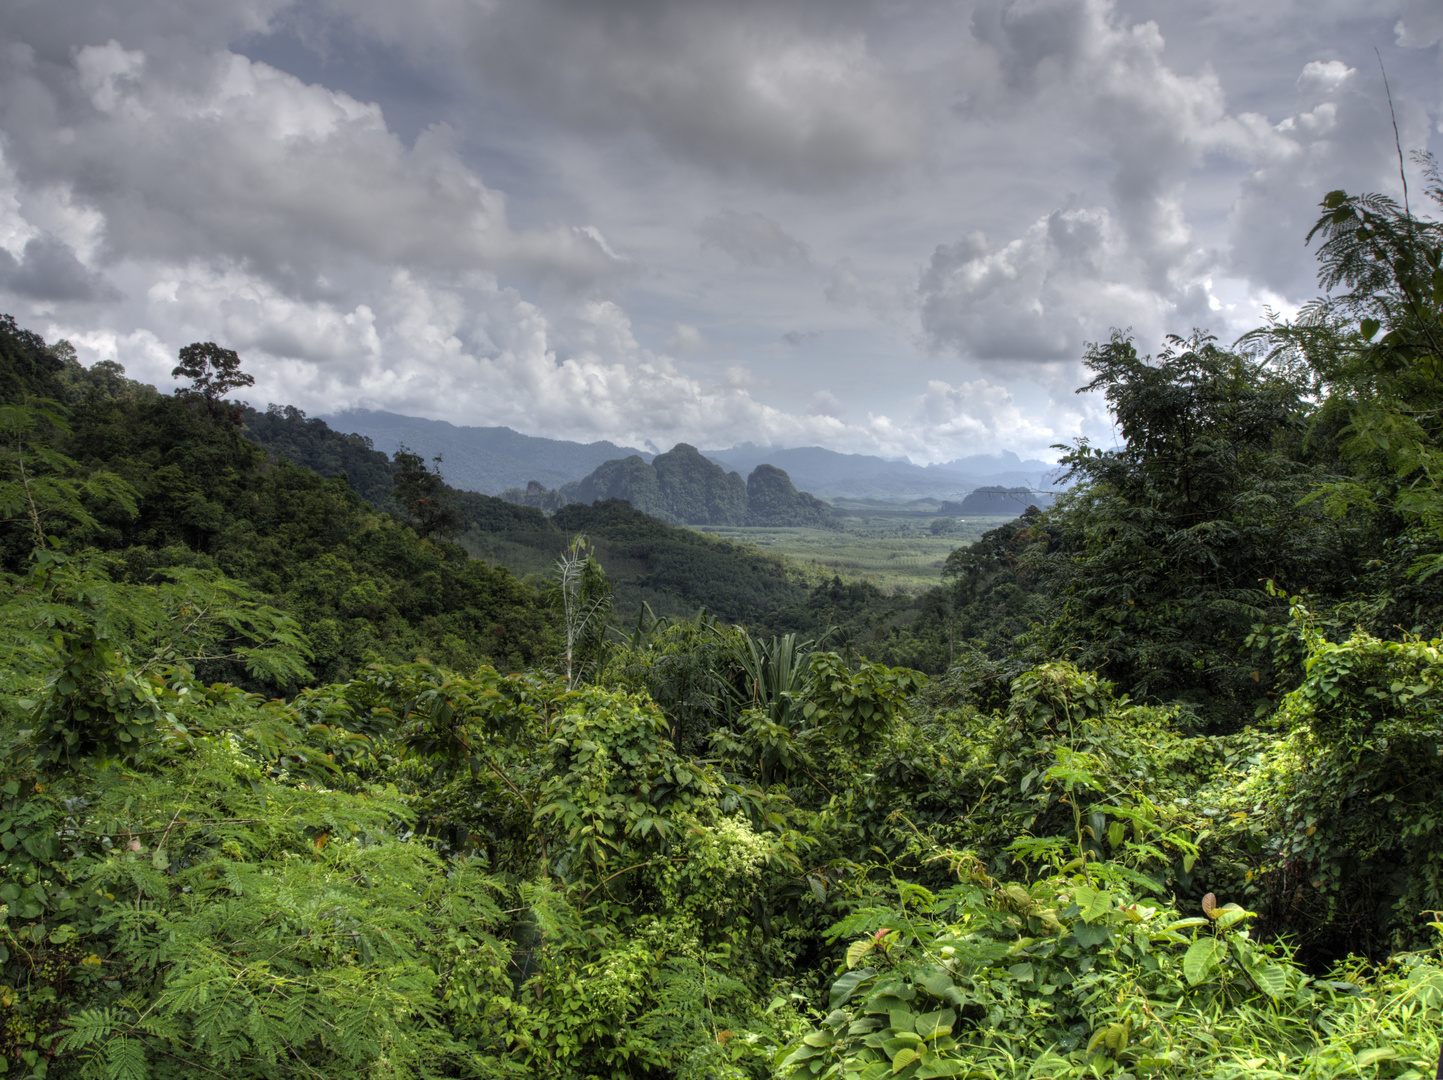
x=896 y=556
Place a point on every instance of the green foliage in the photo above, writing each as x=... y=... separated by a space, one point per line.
x=286 y=432
x=38 y=484
x=585 y=600
x=1162 y=551
x=676 y=570
x=1352 y=795
x=987 y=979
x=163 y=484
x=116 y=660
x=857 y=707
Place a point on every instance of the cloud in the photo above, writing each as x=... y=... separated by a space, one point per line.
x=976 y=416
x=752 y=240
x=1340 y=136
x=1421 y=25
x=786 y=91
x=1069 y=279
x=1106 y=80
x=455 y=209
x=686 y=338
x=1134 y=259
x=243 y=162
x=52 y=30
x=479 y=353
x=848 y=289
x=48 y=270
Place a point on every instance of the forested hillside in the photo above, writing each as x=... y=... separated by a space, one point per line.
x=294 y=787
x=202 y=498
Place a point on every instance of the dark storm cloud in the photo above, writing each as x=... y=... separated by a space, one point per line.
x=49 y=270
x=786 y=91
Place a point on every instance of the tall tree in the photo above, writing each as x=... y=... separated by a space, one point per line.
x=213 y=371
x=1166 y=545
x=422 y=492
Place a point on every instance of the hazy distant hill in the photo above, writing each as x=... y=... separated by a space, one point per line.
x=997 y=500
x=486 y=459
x=685 y=488
x=493 y=459
x=833 y=475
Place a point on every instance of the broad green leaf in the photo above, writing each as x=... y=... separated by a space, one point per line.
x=846 y=986
x=1200 y=959
x=1426 y=982
x=942 y=1068
x=904 y=1022
x=930 y=1025
x=937 y=984
x=1365 y=1058
x=1231 y=915
x=903 y=1059
x=1097 y=907
x=857 y=950
x=1271 y=979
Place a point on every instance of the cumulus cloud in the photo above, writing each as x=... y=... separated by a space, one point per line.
x=783 y=90
x=1070 y=278
x=685 y=338
x=1340 y=136
x=976 y=416
x=1103 y=76
x=1421 y=25
x=244 y=162
x=1134 y=259
x=48 y=270
x=752 y=240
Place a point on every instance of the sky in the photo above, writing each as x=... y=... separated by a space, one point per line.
x=880 y=226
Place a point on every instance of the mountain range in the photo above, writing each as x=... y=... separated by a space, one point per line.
x=484 y=459
x=493 y=459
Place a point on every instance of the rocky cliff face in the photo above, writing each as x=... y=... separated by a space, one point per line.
x=683 y=487
x=773 y=500
x=994 y=501
x=628 y=478
x=698 y=491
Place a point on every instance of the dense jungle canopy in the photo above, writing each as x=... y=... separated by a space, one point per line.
x=295 y=785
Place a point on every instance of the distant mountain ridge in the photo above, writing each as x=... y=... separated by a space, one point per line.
x=484 y=459
x=493 y=459
x=830 y=474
